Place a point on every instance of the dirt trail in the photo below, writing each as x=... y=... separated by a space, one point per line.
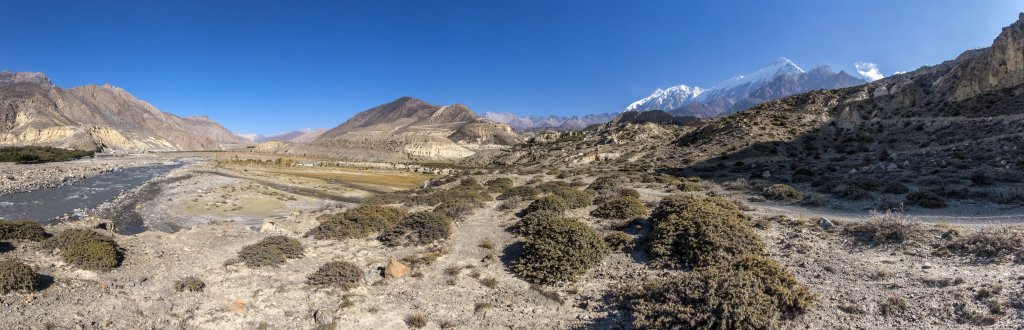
x=967 y=215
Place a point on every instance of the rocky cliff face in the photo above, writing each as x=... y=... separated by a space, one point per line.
x=407 y=129
x=35 y=112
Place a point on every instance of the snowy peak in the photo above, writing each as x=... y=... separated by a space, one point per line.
x=667 y=99
x=782 y=67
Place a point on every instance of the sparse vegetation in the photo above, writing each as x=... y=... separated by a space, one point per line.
x=419 y=229
x=561 y=252
x=525 y=192
x=751 y=292
x=357 y=223
x=551 y=203
x=926 y=199
x=271 y=251
x=35 y=154
x=16 y=276
x=991 y=245
x=782 y=192
x=341 y=274
x=189 y=284
x=499 y=185
x=893 y=306
x=691 y=232
x=86 y=249
x=416 y=321
x=622 y=208
x=21 y=230
x=575 y=198
x=886 y=228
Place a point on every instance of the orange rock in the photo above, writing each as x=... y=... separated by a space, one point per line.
x=238 y=306
x=395 y=269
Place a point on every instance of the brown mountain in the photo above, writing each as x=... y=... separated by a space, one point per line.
x=407 y=129
x=35 y=112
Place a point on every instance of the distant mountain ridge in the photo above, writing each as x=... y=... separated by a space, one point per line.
x=298 y=136
x=782 y=78
x=406 y=129
x=35 y=112
x=561 y=123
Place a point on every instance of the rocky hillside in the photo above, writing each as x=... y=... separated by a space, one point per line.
x=407 y=129
x=35 y=112
x=782 y=78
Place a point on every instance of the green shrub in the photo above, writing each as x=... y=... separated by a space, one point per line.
x=454 y=195
x=547 y=203
x=499 y=184
x=620 y=241
x=623 y=208
x=16 y=276
x=606 y=183
x=782 y=192
x=455 y=210
x=419 y=229
x=535 y=222
x=575 y=198
x=751 y=292
x=553 y=186
x=561 y=253
x=342 y=274
x=36 y=154
x=524 y=192
x=926 y=199
x=629 y=192
x=358 y=222
x=691 y=232
x=692 y=186
x=886 y=228
x=86 y=249
x=21 y=230
x=271 y=251
x=471 y=183
x=189 y=284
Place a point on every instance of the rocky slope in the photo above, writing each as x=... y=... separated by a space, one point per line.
x=407 y=129
x=35 y=112
x=782 y=78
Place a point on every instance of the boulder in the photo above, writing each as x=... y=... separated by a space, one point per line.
x=395 y=269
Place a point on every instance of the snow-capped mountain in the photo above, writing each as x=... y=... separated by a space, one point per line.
x=669 y=98
x=782 y=78
x=524 y=123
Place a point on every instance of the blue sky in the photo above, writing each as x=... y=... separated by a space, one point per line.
x=270 y=66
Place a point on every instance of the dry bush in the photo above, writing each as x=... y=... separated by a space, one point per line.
x=16 y=276
x=553 y=186
x=270 y=251
x=926 y=199
x=547 y=203
x=607 y=183
x=395 y=197
x=691 y=232
x=21 y=230
x=416 y=321
x=419 y=229
x=782 y=192
x=86 y=249
x=622 y=208
x=750 y=292
x=524 y=192
x=358 y=222
x=886 y=228
x=341 y=274
x=457 y=194
x=620 y=241
x=499 y=185
x=993 y=244
x=189 y=284
x=575 y=198
x=561 y=252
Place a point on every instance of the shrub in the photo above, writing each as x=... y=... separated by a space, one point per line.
x=895 y=188
x=553 y=186
x=419 y=229
x=692 y=232
x=991 y=244
x=981 y=178
x=456 y=194
x=563 y=252
x=536 y=222
x=86 y=249
x=524 y=192
x=189 y=284
x=606 y=183
x=16 y=276
x=782 y=192
x=620 y=241
x=751 y=292
x=926 y=199
x=575 y=198
x=470 y=183
x=547 y=203
x=499 y=185
x=395 y=197
x=625 y=208
x=271 y=251
x=340 y=274
x=886 y=228
x=358 y=222
x=455 y=210
x=692 y=186
x=416 y=321
x=21 y=229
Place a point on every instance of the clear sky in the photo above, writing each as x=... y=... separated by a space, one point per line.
x=271 y=66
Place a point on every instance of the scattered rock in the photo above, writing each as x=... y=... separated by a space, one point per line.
x=395 y=269
x=826 y=224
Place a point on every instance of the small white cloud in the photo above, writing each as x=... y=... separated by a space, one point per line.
x=898 y=72
x=869 y=70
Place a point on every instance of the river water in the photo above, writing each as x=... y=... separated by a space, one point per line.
x=45 y=205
